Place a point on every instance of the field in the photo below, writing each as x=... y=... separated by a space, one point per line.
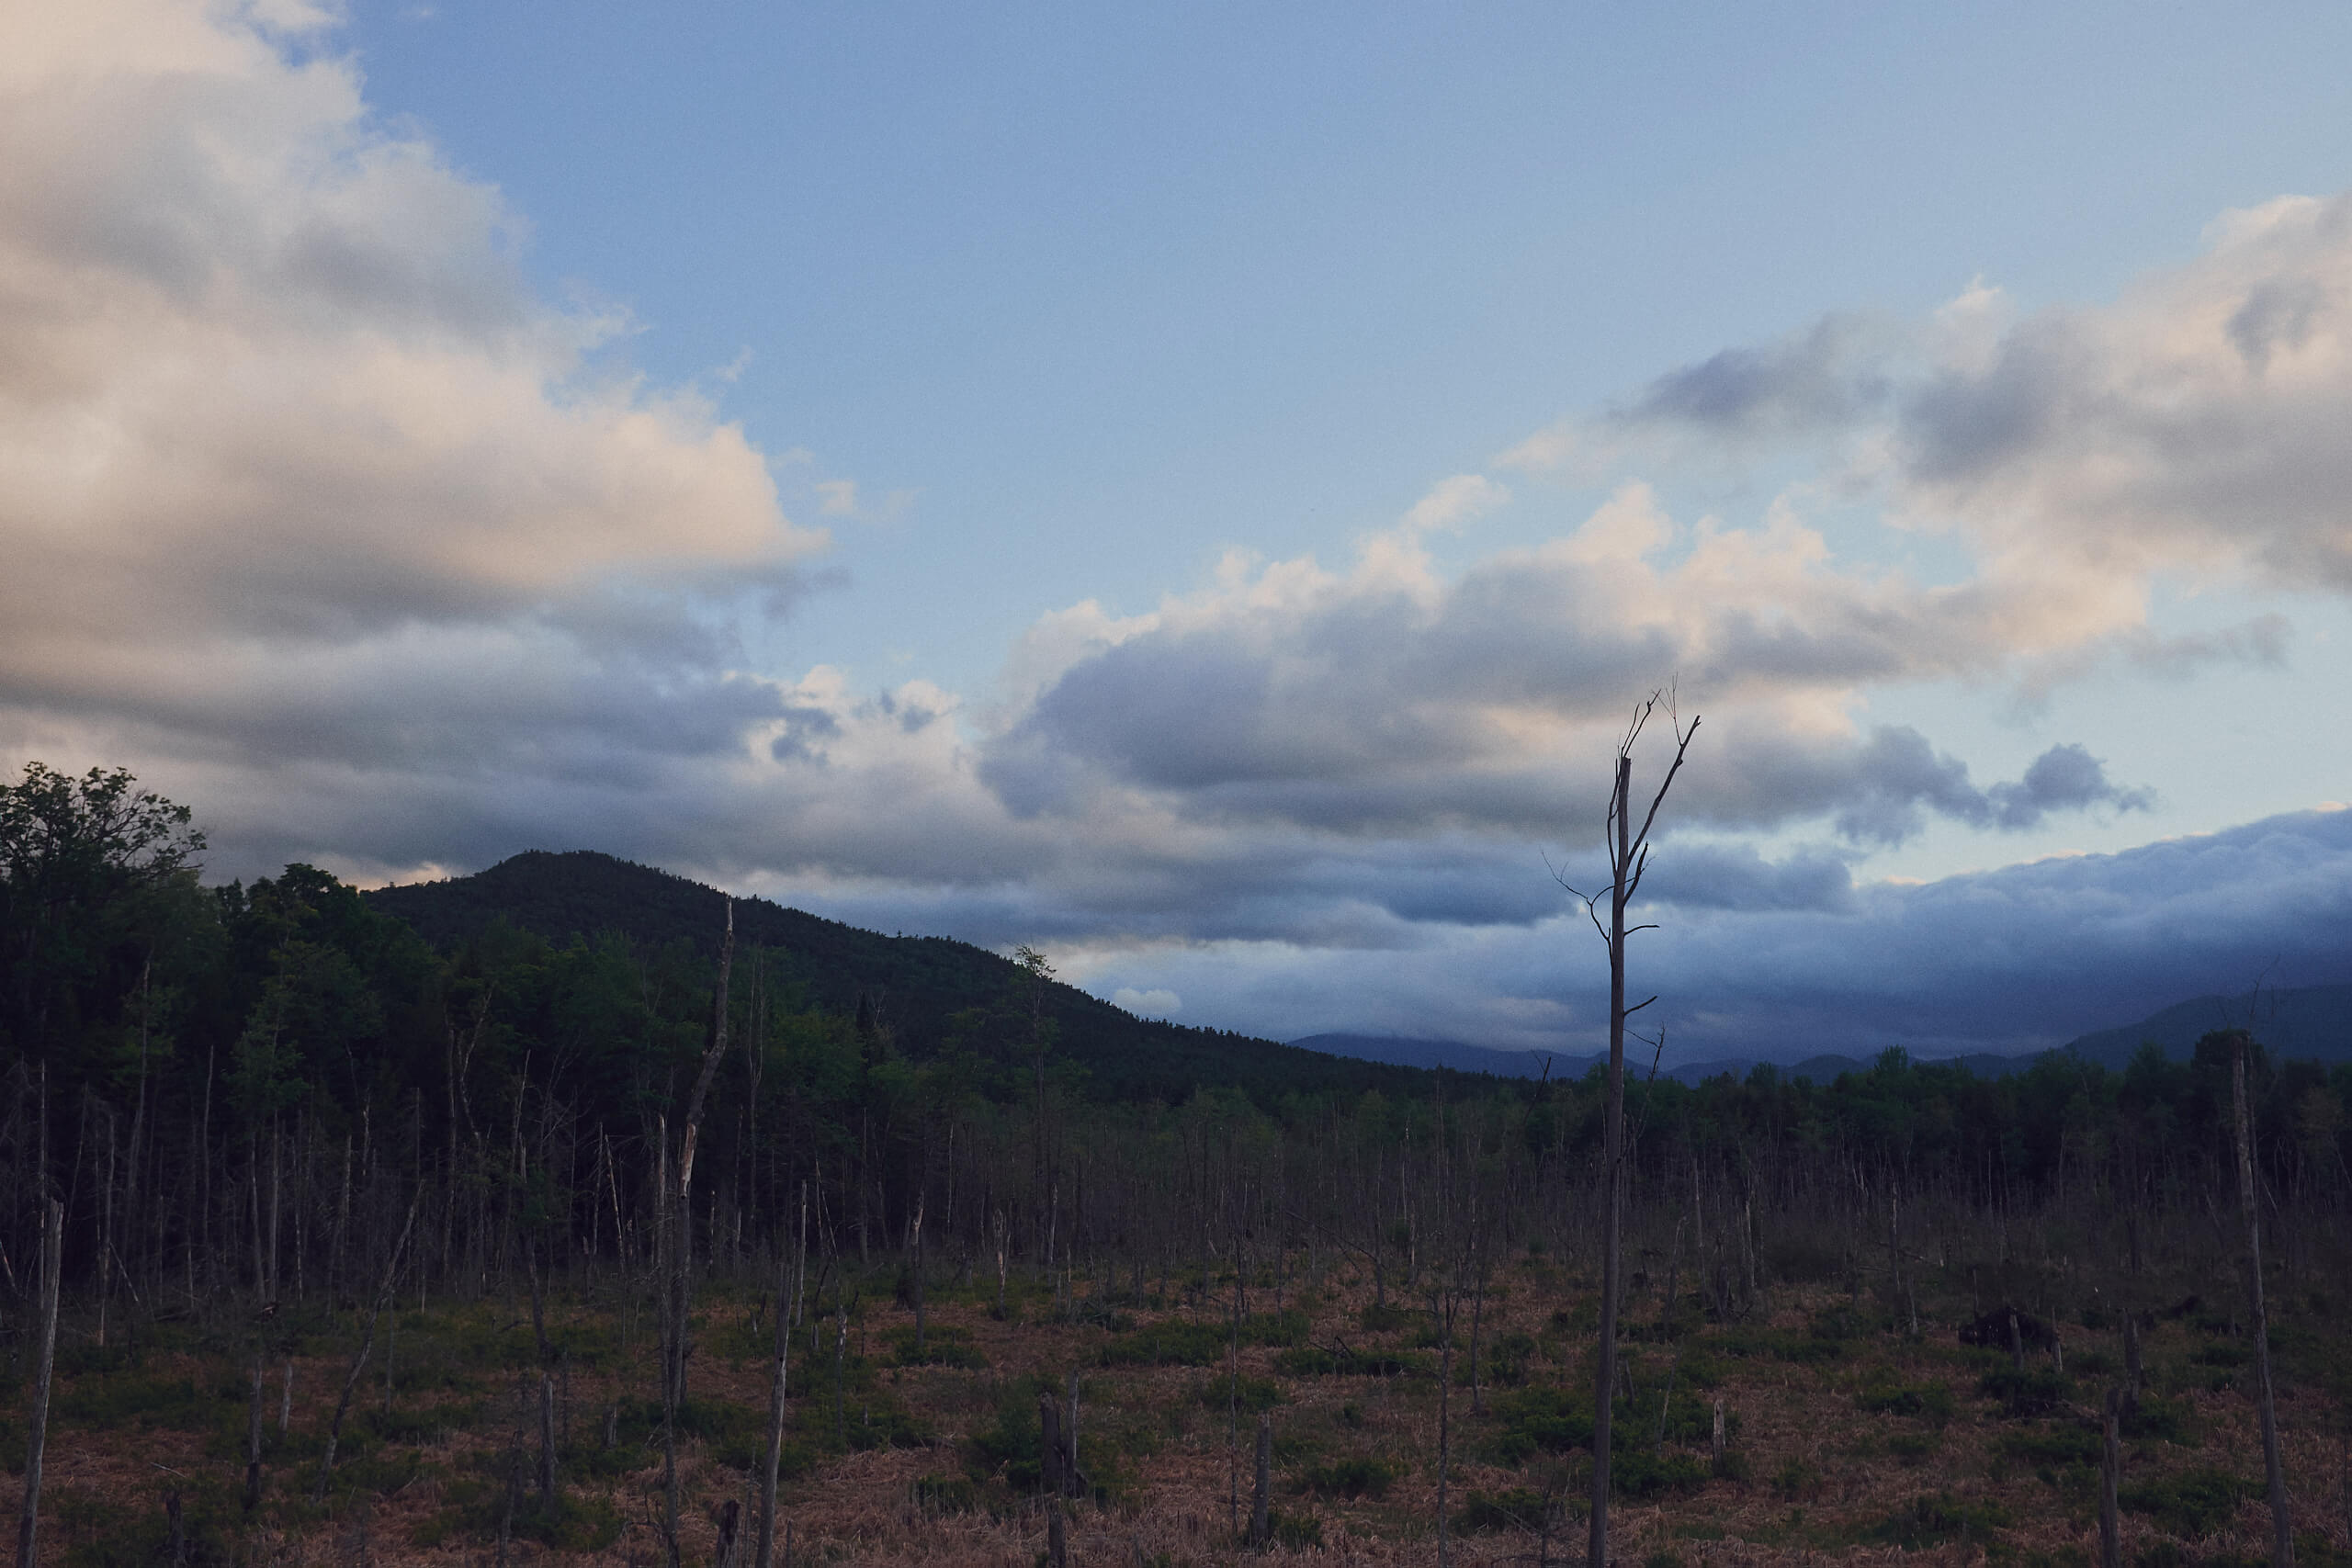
x=1847 y=1436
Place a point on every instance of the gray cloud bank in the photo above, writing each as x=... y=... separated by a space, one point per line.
x=319 y=519
x=2028 y=956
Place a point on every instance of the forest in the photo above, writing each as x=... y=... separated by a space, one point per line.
x=574 y=1211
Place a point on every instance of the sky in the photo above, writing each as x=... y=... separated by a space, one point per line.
x=1201 y=489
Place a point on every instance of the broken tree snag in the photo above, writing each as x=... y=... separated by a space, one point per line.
x=1629 y=853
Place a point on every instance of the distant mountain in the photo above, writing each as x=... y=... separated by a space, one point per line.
x=2313 y=1021
x=914 y=984
x=1462 y=1058
x=1448 y=1053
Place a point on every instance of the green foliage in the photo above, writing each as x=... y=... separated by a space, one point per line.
x=2059 y=1447
x=1295 y=1532
x=1933 y=1520
x=2160 y=1420
x=2023 y=1394
x=1170 y=1342
x=1355 y=1476
x=2191 y=1504
x=1505 y=1358
x=1642 y=1473
x=942 y=1346
x=1926 y=1401
x=1008 y=1449
x=1343 y=1361
x=1517 y=1508
x=1254 y=1394
x=1912 y=1448
x=1281 y=1329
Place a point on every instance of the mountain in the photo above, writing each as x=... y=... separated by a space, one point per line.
x=914 y=985
x=1448 y=1053
x=2313 y=1021
x=1462 y=1058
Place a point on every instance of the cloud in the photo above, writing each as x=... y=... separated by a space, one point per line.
x=295 y=469
x=2026 y=957
x=317 y=515
x=1391 y=698
x=1146 y=1004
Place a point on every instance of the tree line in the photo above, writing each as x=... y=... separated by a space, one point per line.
x=245 y=1095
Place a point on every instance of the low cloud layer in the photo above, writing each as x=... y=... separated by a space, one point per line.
x=318 y=517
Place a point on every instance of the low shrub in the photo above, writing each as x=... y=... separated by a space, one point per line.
x=2191 y=1504
x=1934 y=1520
x=1925 y=1401
x=2027 y=1393
x=1356 y=1476
x=1519 y=1509
x=1171 y=1342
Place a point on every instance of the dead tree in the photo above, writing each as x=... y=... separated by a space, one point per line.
x=793 y=1274
x=676 y=1285
x=52 y=1243
x=1629 y=853
x=2282 y=1534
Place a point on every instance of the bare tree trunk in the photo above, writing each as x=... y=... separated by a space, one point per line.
x=52 y=1250
x=1445 y=1424
x=1259 y=1531
x=1628 y=859
x=787 y=1297
x=2282 y=1533
x=1612 y=1157
x=677 y=1287
x=2111 y=1539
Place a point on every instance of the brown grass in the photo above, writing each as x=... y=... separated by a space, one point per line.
x=1821 y=1474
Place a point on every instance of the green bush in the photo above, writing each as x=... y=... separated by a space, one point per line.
x=2162 y=1420
x=2191 y=1504
x=1641 y=1474
x=2027 y=1393
x=2057 y=1448
x=1356 y=1476
x=1931 y=1520
x=1541 y=1420
x=1912 y=1448
x=1519 y=1509
x=1253 y=1394
x=1315 y=1361
x=1275 y=1328
x=1296 y=1533
x=1171 y=1342
x=942 y=1347
x=1926 y=1401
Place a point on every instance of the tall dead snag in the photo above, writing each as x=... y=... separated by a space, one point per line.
x=792 y=1273
x=52 y=1244
x=676 y=1285
x=1629 y=855
x=2282 y=1534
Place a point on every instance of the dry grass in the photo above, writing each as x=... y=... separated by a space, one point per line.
x=1820 y=1476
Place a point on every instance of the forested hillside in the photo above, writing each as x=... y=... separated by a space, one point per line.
x=917 y=990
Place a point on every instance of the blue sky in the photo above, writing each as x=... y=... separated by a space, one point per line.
x=1197 y=490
